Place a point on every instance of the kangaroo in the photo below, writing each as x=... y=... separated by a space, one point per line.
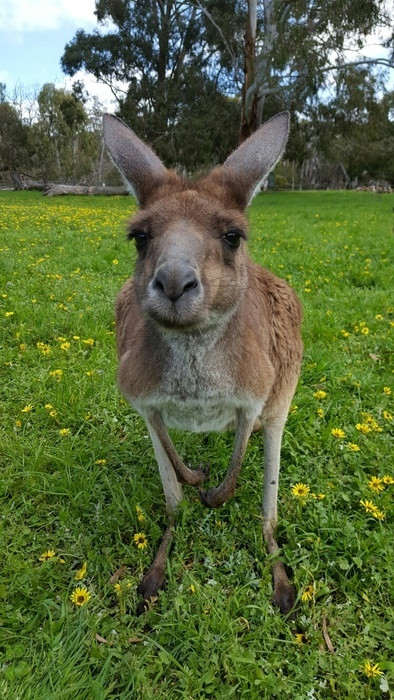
x=207 y=340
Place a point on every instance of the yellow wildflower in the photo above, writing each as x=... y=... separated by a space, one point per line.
x=320 y=394
x=345 y=333
x=365 y=330
x=140 y=540
x=338 y=432
x=88 y=341
x=320 y=412
x=64 y=432
x=371 y=670
x=375 y=484
x=308 y=593
x=140 y=515
x=115 y=262
x=352 y=446
x=65 y=346
x=387 y=479
x=379 y=317
x=9 y=313
x=387 y=415
x=100 y=461
x=368 y=505
x=81 y=573
x=121 y=588
x=44 y=348
x=27 y=408
x=363 y=428
x=80 y=596
x=299 y=638
x=56 y=373
x=300 y=490
x=387 y=390
x=47 y=555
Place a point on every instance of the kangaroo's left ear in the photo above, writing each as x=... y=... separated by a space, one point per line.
x=254 y=159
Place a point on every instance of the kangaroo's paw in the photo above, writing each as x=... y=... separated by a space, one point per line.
x=149 y=587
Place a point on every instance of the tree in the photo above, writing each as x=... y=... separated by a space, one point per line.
x=167 y=53
x=292 y=49
x=63 y=147
x=14 y=147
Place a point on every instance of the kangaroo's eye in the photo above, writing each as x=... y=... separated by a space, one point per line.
x=140 y=239
x=233 y=238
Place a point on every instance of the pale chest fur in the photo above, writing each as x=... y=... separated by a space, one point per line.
x=198 y=389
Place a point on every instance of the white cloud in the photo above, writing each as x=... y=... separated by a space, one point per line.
x=4 y=76
x=36 y=15
x=95 y=89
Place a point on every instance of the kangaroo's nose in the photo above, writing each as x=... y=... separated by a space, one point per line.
x=175 y=281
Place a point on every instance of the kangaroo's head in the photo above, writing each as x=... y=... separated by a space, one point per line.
x=192 y=266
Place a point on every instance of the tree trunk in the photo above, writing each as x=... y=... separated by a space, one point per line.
x=16 y=180
x=249 y=94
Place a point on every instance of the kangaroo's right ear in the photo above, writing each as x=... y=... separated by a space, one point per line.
x=138 y=164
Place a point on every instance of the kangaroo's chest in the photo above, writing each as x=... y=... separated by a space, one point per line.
x=198 y=391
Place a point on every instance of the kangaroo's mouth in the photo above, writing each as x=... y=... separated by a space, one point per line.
x=175 y=315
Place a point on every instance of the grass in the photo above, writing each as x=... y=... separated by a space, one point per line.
x=213 y=633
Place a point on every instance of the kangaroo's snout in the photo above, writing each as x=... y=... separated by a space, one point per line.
x=173 y=281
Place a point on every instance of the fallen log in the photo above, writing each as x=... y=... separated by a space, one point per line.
x=60 y=190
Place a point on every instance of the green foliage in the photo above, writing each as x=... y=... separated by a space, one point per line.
x=213 y=632
x=168 y=55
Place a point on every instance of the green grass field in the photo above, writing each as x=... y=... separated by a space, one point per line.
x=76 y=461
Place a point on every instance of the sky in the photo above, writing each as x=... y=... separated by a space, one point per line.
x=33 y=34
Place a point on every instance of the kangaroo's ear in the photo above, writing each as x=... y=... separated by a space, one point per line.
x=138 y=164
x=254 y=159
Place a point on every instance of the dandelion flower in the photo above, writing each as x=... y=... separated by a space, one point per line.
x=80 y=596
x=47 y=555
x=352 y=447
x=387 y=390
x=375 y=484
x=115 y=262
x=378 y=514
x=320 y=412
x=300 y=490
x=81 y=573
x=338 y=432
x=299 y=638
x=140 y=540
x=100 y=461
x=27 y=408
x=121 y=588
x=368 y=505
x=320 y=394
x=140 y=515
x=363 y=428
x=370 y=670
x=64 y=432
x=308 y=593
